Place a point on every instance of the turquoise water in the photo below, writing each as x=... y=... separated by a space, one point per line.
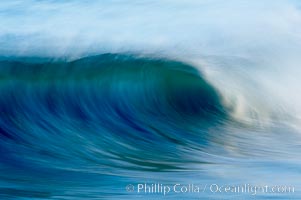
x=150 y=99
x=103 y=126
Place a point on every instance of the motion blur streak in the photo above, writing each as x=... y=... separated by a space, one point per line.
x=95 y=96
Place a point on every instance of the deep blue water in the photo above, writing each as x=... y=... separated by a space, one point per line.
x=85 y=129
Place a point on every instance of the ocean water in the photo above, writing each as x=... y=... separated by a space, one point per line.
x=150 y=100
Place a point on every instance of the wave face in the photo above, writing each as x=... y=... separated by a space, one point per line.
x=78 y=129
x=101 y=115
x=105 y=104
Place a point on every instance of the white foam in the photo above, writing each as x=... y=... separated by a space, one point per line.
x=267 y=33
